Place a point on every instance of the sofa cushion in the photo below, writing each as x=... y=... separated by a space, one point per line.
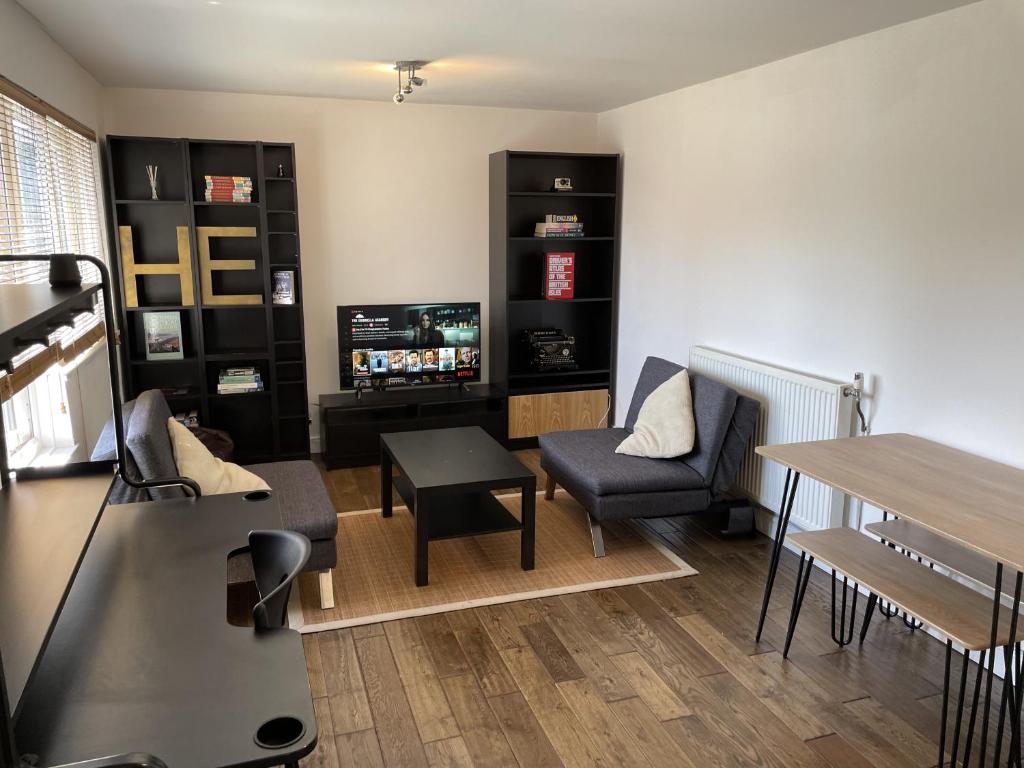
x=149 y=444
x=302 y=497
x=587 y=458
x=744 y=419
x=622 y=506
x=713 y=407
x=106 y=445
x=654 y=373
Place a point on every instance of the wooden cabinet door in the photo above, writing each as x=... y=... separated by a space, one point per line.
x=532 y=415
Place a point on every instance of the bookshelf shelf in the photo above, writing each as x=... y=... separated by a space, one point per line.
x=265 y=425
x=561 y=194
x=560 y=301
x=225 y=203
x=518 y=200
x=181 y=361
x=534 y=239
x=150 y=202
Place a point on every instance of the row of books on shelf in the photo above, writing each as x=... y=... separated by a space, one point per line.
x=559 y=225
x=228 y=189
x=234 y=381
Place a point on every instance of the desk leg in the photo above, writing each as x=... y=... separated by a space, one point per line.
x=788 y=494
x=1012 y=689
x=385 y=483
x=422 y=542
x=529 y=513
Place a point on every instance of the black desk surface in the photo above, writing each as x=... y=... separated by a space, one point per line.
x=26 y=308
x=44 y=528
x=142 y=658
x=462 y=456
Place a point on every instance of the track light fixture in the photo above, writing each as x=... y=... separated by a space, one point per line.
x=407 y=70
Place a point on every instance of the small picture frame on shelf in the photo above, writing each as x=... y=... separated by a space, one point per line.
x=163 y=335
x=284 y=287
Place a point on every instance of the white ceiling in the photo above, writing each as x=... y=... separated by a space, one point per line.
x=586 y=55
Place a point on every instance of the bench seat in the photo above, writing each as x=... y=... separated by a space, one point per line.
x=940 y=550
x=954 y=609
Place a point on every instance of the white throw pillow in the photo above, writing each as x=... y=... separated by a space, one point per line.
x=214 y=476
x=664 y=427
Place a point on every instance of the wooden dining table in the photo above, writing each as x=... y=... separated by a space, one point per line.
x=970 y=501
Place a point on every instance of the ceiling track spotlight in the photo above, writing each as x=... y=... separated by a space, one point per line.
x=407 y=70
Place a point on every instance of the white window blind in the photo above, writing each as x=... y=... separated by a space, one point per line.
x=48 y=203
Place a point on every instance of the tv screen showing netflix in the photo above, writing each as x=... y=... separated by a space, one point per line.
x=397 y=344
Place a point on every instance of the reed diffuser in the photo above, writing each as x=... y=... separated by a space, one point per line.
x=151 y=171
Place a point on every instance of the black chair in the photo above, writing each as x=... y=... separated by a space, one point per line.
x=277 y=558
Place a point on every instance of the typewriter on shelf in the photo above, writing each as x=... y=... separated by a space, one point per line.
x=550 y=349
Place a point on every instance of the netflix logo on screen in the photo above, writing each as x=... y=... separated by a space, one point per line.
x=559 y=276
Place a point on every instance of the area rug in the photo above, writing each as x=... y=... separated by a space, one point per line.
x=374 y=578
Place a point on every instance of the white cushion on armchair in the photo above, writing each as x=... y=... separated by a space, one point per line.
x=664 y=427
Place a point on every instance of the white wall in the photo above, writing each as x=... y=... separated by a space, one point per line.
x=857 y=207
x=392 y=199
x=30 y=58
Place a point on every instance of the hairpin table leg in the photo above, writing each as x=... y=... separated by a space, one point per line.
x=788 y=495
x=841 y=634
x=868 y=613
x=802 y=576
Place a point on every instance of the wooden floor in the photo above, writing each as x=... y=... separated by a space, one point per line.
x=665 y=674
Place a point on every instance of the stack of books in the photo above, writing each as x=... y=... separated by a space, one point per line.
x=228 y=189
x=559 y=276
x=559 y=225
x=234 y=381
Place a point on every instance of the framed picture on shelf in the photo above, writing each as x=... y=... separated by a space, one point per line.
x=284 y=287
x=163 y=335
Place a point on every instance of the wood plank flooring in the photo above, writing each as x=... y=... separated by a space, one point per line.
x=663 y=674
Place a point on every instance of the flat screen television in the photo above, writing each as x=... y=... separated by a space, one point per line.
x=393 y=344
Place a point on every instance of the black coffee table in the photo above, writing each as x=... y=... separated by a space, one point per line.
x=446 y=479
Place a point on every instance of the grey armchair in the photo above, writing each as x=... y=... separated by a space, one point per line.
x=613 y=486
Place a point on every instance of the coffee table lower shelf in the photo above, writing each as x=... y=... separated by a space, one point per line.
x=455 y=515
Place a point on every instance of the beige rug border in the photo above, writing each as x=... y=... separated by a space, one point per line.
x=296 y=620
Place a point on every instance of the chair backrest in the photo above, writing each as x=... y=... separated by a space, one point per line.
x=277 y=558
x=713 y=406
x=744 y=420
x=150 y=453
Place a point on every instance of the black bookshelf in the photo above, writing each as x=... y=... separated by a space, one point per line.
x=520 y=196
x=269 y=425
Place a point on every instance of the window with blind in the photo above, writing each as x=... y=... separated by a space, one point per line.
x=48 y=204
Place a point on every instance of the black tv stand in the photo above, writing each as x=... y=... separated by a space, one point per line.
x=351 y=423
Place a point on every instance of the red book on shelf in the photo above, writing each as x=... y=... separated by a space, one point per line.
x=559 y=275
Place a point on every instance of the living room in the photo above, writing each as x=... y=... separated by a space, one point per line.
x=521 y=381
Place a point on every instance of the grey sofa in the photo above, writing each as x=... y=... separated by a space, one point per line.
x=613 y=486
x=302 y=498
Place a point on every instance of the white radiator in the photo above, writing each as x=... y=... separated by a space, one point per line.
x=794 y=408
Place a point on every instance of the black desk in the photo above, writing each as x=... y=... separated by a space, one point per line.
x=45 y=527
x=142 y=658
x=447 y=476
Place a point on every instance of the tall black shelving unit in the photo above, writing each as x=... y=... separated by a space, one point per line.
x=520 y=196
x=268 y=425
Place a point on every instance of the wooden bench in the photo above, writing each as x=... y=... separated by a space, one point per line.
x=960 y=613
x=954 y=609
x=940 y=550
